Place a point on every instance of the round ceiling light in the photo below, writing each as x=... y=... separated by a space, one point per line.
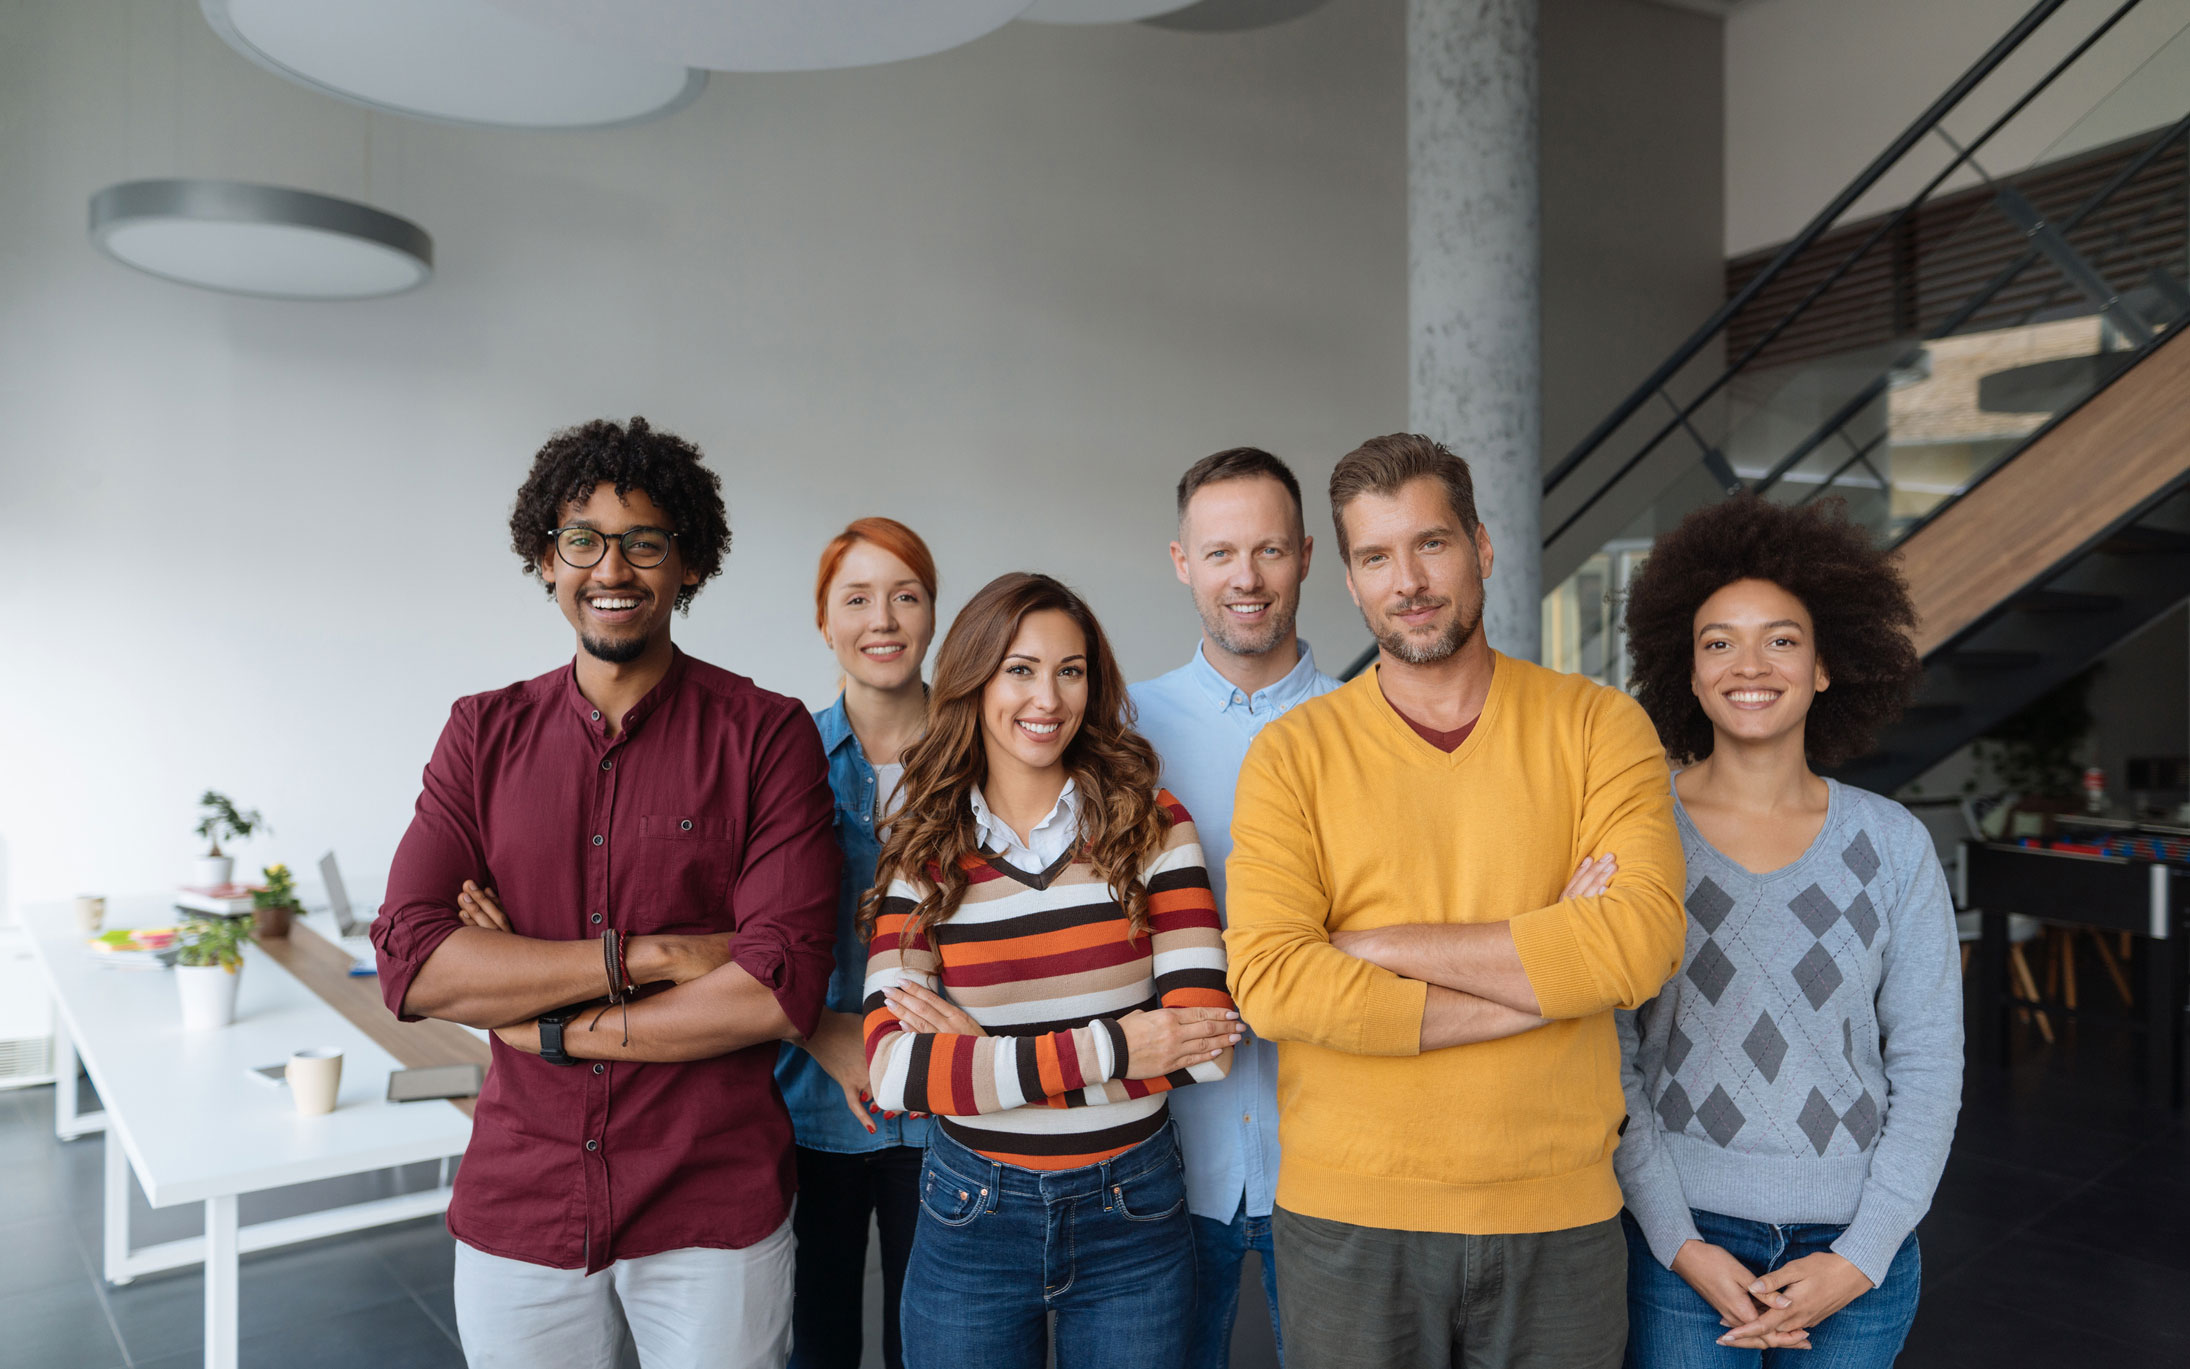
x=773 y=35
x=259 y=239
x=1100 y=11
x=1231 y=16
x=454 y=61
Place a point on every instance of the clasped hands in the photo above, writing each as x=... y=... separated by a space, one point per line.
x=1774 y=1311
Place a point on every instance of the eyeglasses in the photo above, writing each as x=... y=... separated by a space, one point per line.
x=643 y=548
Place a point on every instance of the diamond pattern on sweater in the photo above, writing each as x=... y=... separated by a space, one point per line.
x=1765 y=1047
x=1815 y=974
x=1861 y=857
x=1861 y=1120
x=1711 y=970
x=1863 y=917
x=1708 y=904
x=1847 y=1041
x=1818 y=1121
x=1817 y=910
x=1674 y=1109
x=1677 y=1046
x=1720 y=1118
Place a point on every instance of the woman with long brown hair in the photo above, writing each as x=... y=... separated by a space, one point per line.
x=1046 y=962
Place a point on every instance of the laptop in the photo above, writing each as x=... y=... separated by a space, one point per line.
x=354 y=942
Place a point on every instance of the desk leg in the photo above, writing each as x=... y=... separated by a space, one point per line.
x=220 y=1282
x=1992 y=962
x=116 y=1217
x=2163 y=989
x=67 y=1126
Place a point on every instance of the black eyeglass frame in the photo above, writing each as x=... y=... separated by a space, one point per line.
x=623 y=548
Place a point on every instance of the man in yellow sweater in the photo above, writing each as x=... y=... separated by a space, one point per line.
x=1445 y=876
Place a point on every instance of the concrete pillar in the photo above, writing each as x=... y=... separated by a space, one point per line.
x=1473 y=276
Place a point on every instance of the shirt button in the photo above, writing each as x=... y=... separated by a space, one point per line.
x=686 y=825
x=600 y=1069
x=608 y=765
x=598 y=838
x=593 y=1145
x=596 y=715
x=596 y=918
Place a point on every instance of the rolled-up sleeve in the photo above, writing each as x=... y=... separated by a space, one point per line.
x=784 y=895
x=438 y=853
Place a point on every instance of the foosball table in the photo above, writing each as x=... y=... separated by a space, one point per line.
x=2107 y=875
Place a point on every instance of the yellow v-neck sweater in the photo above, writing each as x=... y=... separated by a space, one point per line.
x=1347 y=819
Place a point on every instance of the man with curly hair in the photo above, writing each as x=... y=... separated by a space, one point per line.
x=625 y=868
x=1791 y=1094
x=1426 y=917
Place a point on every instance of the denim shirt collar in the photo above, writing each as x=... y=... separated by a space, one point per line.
x=1224 y=696
x=835 y=725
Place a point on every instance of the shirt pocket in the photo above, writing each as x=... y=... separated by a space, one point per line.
x=686 y=862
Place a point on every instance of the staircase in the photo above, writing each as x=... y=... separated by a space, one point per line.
x=1994 y=376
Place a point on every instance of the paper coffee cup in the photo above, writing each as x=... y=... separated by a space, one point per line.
x=315 y=1077
x=90 y=913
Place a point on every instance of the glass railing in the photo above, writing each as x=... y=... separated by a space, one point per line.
x=1892 y=360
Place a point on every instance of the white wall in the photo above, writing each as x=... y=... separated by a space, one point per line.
x=1816 y=88
x=1006 y=294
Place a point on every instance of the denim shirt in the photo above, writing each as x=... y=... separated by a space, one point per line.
x=1201 y=727
x=819 y=1119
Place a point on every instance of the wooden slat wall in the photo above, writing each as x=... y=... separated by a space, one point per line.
x=1911 y=282
x=2118 y=450
x=324 y=968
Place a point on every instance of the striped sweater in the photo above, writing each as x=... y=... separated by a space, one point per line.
x=1044 y=963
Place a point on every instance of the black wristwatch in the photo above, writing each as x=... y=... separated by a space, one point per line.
x=551 y=1034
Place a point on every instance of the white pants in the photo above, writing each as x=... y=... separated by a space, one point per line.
x=688 y=1309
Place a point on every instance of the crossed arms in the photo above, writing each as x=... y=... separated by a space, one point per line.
x=446 y=951
x=1610 y=939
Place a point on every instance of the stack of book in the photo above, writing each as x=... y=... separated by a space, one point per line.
x=139 y=948
x=221 y=900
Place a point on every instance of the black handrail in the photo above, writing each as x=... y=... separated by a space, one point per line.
x=1818 y=226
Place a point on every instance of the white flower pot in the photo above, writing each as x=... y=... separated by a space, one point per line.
x=208 y=995
x=210 y=872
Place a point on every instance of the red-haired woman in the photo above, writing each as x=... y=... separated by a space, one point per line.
x=1046 y=963
x=874 y=601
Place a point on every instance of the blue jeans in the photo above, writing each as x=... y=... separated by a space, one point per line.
x=1220 y=1248
x=1105 y=1247
x=1670 y=1326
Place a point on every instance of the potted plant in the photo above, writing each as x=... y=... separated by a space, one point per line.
x=208 y=966
x=274 y=903
x=220 y=820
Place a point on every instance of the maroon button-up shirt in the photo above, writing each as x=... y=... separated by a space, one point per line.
x=709 y=812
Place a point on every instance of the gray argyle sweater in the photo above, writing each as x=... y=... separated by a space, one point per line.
x=1805 y=1064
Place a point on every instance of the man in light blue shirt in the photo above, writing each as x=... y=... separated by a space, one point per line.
x=1243 y=552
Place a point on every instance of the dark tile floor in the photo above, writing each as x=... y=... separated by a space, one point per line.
x=2060 y=1238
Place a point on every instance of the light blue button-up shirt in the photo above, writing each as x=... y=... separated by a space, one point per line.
x=1201 y=725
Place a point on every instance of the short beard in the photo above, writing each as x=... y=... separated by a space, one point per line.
x=618 y=652
x=1235 y=637
x=1455 y=636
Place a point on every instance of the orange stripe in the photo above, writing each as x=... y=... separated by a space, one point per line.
x=940 y=1055
x=1093 y=1157
x=1039 y=944
x=1182 y=901
x=1047 y=1066
x=1197 y=998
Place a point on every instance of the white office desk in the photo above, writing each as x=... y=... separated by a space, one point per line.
x=181 y=1111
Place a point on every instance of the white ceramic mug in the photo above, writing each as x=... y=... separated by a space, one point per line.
x=90 y=913
x=315 y=1077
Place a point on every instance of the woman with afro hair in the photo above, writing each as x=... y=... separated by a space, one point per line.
x=1792 y=1091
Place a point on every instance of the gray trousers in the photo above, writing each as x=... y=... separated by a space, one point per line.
x=1361 y=1295
x=687 y=1309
